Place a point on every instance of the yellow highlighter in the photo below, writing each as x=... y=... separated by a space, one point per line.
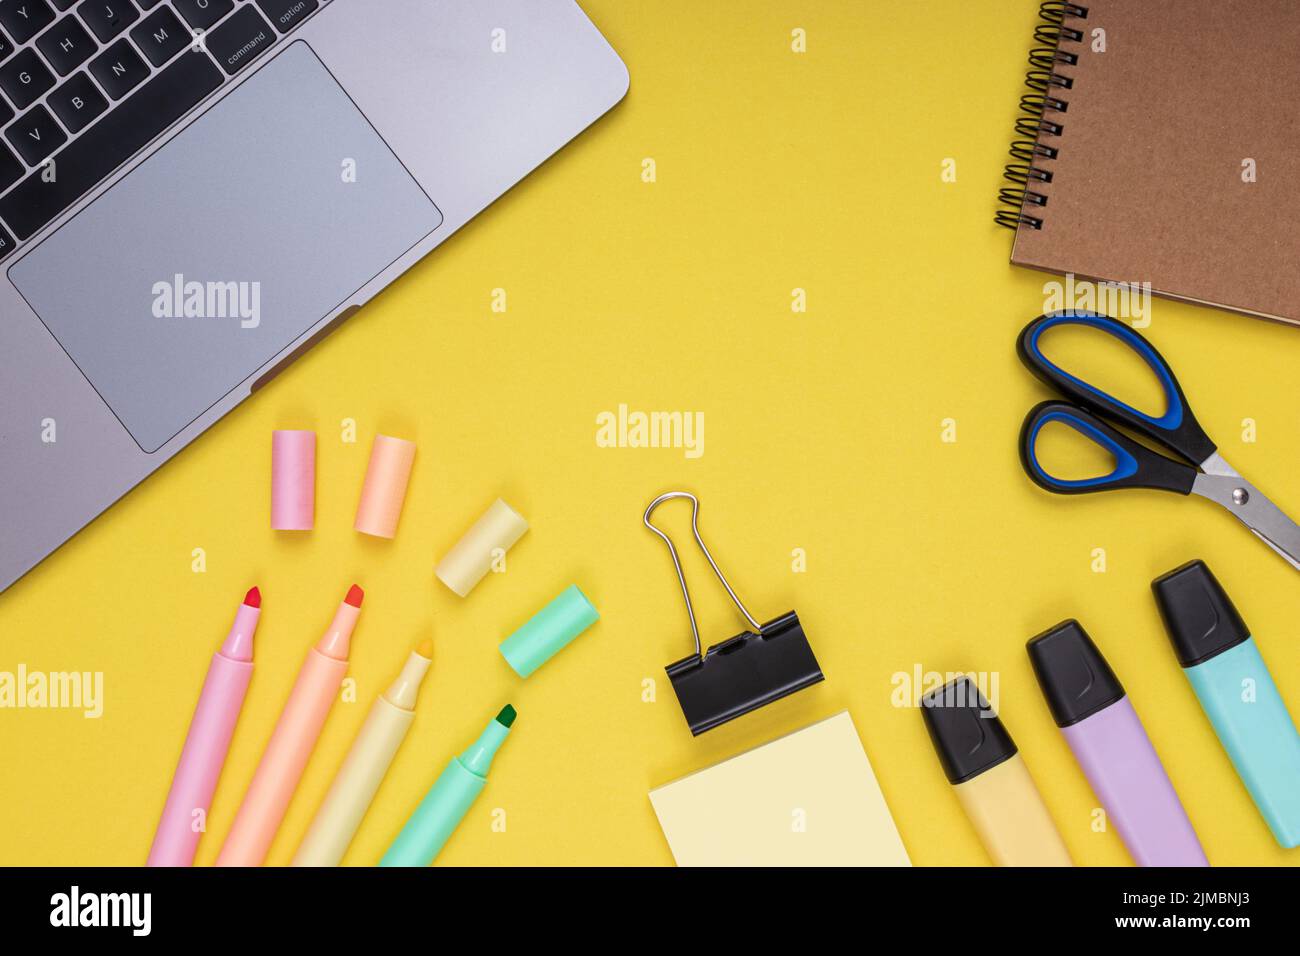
x=994 y=787
x=363 y=769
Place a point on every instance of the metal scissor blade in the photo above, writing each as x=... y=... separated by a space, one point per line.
x=1293 y=562
x=1255 y=511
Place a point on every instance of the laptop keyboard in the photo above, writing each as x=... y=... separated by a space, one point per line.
x=86 y=85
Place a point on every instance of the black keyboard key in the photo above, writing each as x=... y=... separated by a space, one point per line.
x=6 y=243
x=10 y=169
x=119 y=69
x=240 y=39
x=161 y=36
x=25 y=78
x=77 y=102
x=35 y=135
x=23 y=19
x=201 y=14
x=103 y=147
x=285 y=14
x=107 y=18
x=6 y=114
x=66 y=45
x=63 y=4
x=147 y=4
x=6 y=48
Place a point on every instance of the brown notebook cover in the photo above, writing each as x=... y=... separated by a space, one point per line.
x=1149 y=140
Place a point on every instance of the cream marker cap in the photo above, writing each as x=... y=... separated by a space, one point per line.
x=384 y=490
x=465 y=565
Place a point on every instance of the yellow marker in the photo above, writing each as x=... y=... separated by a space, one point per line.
x=363 y=769
x=994 y=787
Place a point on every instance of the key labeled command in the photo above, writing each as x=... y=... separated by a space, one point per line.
x=239 y=40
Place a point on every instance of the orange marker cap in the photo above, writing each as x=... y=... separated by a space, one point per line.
x=385 y=487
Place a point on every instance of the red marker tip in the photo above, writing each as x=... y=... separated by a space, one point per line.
x=253 y=598
x=355 y=594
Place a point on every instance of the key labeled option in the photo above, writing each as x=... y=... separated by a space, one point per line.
x=287 y=14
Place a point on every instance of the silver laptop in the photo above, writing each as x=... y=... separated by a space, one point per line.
x=194 y=192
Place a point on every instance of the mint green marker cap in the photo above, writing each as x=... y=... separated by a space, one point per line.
x=549 y=631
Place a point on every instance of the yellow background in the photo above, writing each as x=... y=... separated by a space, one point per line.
x=775 y=171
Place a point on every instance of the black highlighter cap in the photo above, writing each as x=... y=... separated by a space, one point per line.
x=1075 y=678
x=967 y=735
x=1198 y=614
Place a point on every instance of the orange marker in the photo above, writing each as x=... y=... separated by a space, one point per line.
x=294 y=738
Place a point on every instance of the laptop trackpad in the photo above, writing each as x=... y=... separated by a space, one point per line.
x=263 y=217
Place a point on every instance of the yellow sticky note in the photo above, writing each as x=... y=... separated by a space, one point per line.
x=809 y=798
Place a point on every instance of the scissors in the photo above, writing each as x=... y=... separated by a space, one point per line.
x=1137 y=466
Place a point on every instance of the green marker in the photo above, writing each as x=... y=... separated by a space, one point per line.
x=450 y=798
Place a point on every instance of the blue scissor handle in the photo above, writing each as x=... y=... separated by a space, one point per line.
x=1177 y=429
x=1136 y=466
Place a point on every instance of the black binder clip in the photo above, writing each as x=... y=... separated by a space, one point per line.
x=744 y=672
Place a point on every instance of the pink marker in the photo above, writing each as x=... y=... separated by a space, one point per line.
x=184 y=816
x=293 y=740
x=1088 y=703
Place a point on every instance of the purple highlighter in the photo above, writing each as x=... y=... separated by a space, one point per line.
x=1102 y=728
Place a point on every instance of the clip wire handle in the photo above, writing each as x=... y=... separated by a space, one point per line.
x=1135 y=465
x=681 y=578
x=1177 y=429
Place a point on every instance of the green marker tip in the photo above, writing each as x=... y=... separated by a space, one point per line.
x=507 y=716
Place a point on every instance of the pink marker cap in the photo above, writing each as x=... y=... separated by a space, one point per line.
x=293 y=480
x=385 y=487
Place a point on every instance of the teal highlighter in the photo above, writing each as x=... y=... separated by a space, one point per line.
x=449 y=799
x=1236 y=691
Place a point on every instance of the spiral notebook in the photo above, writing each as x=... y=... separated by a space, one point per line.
x=1158 y=143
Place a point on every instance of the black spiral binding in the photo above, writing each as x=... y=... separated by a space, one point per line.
x=1039 y=109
